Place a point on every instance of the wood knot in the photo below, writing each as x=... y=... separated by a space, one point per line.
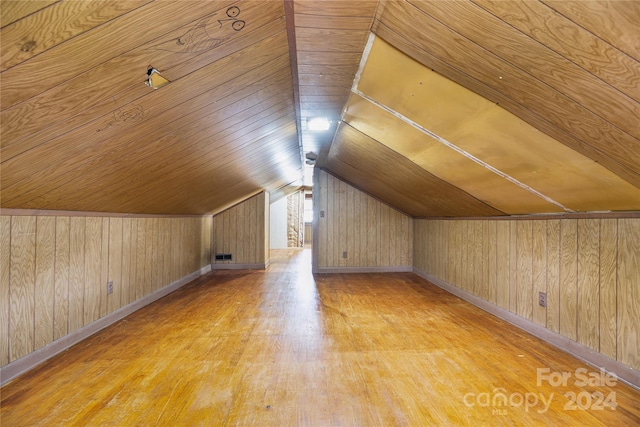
x=28 y=46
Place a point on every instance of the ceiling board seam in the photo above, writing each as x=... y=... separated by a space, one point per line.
x=92 y=31
x=28 y=15
x=64 y=40
x=560 y=54
x=460 y=150
x=484 y=202
x=577 y=143
x=290 y=21
x=568 y=18
x=177 y=119
x=363 y=62
x=552 y=86
x=219 y=131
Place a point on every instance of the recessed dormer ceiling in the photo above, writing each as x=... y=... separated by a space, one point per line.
x=461 y=108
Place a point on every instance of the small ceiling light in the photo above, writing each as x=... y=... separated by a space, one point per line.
x=154 y=79
x=318 y=123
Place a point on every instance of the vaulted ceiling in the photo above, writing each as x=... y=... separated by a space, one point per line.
x=438 y=108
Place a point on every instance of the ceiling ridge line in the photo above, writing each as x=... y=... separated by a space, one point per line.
x=454 y=147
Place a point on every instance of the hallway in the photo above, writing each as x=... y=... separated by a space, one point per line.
x=278 y=348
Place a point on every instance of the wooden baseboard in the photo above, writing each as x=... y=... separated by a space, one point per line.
x=586 y=354
x=400 y=269
x=239 y=266
x=30 y=361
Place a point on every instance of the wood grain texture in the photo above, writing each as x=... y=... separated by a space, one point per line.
x=539 y=270
x=114 y=117
x=613 y=21
x=183 y=158
x=444 y=50
x=13 y=11
x=553 y=275
x=83 y=108
x=104 y=267
x=513 y=267
x=608 y=281
x=54 y=25
x=589 y=271
x=132 y=247
x=547 y=66
x=139 y=284
x=476 y=257
x=588 y=148
x=568 y=277
x=35 y=76
x=92 y=270
x=77 y=258
x=240 y=231
x=568 y=38
x=464 y=255
x=350 y=214
x=81 y=132
x=330 y=336
x=502 y=259
x=588 y=309
x=5 y=286
x=55 y=281
x=524 y=286
x=44 y=281
x=628 y=337
x=115 y=268
x=22 y=291
x=427 y=195
x=62 y=274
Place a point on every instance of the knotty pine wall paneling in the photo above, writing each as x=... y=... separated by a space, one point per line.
x=54 y=270
x=373 y=234
x=243 y=232
x=589 y=268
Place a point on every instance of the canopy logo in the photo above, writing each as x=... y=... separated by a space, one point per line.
x=499 y=400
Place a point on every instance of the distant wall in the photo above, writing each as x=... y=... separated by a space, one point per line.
x=589 y=269
x=242 y=231
x=295 y=220
x=375 y=236
x=55 y=269
x=278 y=224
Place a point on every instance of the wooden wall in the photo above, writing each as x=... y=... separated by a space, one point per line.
x=589 y=268
x=243 y=232
x=55 y=269
x=372 y=233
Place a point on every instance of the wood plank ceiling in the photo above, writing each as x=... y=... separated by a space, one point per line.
x=460 y=108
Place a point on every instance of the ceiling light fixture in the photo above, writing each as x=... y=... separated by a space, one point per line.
x=311 y=158
x=318 y=123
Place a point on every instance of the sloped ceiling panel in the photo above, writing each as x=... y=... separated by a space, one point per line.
x=456 y=134
x=81 y=130
x=526 y=107
x=563 y=95
x=330 y=38
x=389 y=176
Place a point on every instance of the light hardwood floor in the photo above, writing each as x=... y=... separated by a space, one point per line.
x=281 y=347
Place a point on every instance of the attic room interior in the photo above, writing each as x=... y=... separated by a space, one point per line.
x=471 y=168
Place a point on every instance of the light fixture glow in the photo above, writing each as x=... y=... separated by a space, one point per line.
x=318 y=123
